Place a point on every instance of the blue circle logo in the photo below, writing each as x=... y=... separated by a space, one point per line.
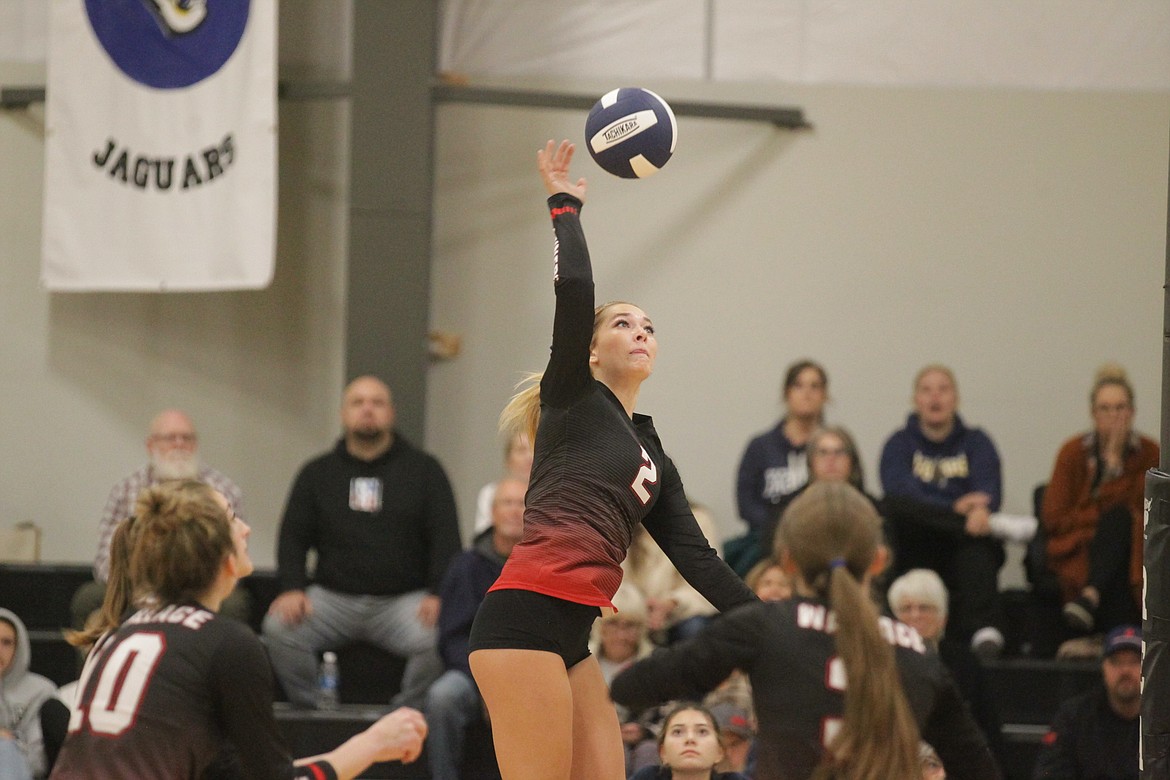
x=168 y=44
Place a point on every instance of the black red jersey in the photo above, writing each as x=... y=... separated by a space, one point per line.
x=788 y=651
x=167 y=694
x=597 y=473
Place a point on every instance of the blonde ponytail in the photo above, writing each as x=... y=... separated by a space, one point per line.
x=522 y=412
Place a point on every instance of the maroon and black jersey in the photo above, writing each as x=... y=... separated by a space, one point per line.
x=167 y=695
x=596 y=473
x=788 y=651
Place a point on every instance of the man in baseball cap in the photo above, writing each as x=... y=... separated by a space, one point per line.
x=737 y=727
x=1096 y=733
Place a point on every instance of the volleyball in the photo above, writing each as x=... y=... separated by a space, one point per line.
x=631 y=132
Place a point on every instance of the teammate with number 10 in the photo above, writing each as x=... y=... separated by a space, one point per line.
x=175 y=689
x=598 y=470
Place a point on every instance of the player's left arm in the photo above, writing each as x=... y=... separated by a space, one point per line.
x=692 y=668
x=672 y=525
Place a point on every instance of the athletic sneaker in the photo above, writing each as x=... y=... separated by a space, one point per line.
x=1081 y=614
x=1013 y=528
x=987 y=643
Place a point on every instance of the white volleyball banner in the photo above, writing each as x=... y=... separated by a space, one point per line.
x=160 y=148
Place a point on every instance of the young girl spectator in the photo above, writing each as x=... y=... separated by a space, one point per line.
x=22 y=694
x=689 y=747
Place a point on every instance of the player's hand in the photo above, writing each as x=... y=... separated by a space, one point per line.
x=399 y=735
x=291 y=607
x=553 y=163
x=428 y=610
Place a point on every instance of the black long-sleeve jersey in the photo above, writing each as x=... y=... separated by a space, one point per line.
x=789 y=654
x=167 y=693
x=597 y=473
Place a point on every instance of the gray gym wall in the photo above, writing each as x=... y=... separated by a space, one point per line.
x=1016 y=235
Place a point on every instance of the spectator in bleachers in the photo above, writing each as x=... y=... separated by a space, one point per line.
x=1095 y=734
x=618 y=639
x=1092 y=510
x=453 y=702
x=689 y=747
x=943 y=489
x=919 y=598
x=381 y=517
x=737 y=729
x=768 y=580
x=932 y=765
x=172 y=447
x=833 y=456
x=22 y=694
x=674 y=609
x=774 y=465
x=517 y=465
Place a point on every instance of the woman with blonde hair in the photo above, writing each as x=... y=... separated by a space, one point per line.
x=599 y=470
x=839 y=692
x=165 y=693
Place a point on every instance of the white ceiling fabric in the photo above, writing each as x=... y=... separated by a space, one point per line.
x=1045 y=44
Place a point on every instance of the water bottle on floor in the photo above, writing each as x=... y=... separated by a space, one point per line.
x=328 y=682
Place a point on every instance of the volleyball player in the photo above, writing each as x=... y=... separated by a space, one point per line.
x=161 y=694
x=599 y=469
x=838 y=691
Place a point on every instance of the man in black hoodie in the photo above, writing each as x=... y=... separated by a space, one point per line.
x=380 y=515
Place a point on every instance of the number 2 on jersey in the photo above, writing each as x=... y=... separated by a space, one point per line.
x=647 y=475
x=121 y=685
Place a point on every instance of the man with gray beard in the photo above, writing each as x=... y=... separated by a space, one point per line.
x=173 y=449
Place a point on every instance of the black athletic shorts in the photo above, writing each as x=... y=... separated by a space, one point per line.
x=527 y=620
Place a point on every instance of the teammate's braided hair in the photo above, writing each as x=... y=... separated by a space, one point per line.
x=831 y=532
x=183 y=539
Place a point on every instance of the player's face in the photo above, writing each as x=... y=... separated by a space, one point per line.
x=935 y=399
x=1112 y=410
x=830 y=460
x=691 y=742
x=7 y=646
x=805 y=398
x=926 y=618
x=240 y=533
x=774 y=585
x=624 y=344
x=366 y=410
x=1123 y=676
